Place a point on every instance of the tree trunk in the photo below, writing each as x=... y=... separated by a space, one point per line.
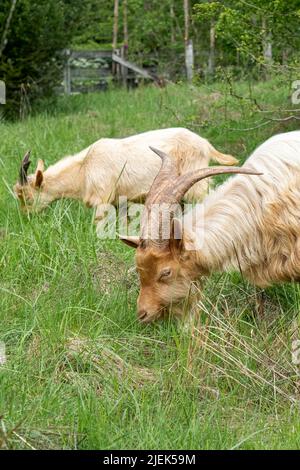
x=189 y=52
x=186 y=21
x=267 y=43
x=125 y=25
x=285 y=56
x=212 y=50
x=115 y=67
x=125 y=41
x=7 y=26
x=172 y=17
x=116 y=25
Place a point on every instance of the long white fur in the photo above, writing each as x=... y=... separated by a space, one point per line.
x=252 y=223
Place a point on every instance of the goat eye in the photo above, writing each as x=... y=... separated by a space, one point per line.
x=165 y=274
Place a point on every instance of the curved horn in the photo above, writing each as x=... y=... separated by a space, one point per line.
x=24 y=168
x=185 y=182
x=167 y=171
x=169 y=188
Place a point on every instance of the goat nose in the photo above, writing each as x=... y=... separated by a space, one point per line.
x=142 y=314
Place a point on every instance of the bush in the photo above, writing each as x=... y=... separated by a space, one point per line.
x=32 y=59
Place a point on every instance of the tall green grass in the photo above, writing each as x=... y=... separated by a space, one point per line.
x=81 y=372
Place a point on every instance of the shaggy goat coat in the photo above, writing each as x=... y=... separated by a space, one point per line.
x=252 y=223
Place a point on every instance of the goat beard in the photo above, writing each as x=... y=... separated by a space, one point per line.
x=183 y=307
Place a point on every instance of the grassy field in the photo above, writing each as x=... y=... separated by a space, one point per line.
x=81 y=372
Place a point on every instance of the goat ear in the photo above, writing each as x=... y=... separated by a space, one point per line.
x=133 y=242
x=176 y=237
x=38 y=179
x=39 y=176
x=40 y=166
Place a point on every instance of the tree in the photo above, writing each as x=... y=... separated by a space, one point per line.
x=189 y=53
x=125 y=25
x=7 y=26
x=212 y=44
x=116 y=25
x=31 y=58
x=257 y=30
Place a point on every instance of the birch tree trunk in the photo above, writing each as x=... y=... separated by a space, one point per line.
x=189 y=52
x=267 y=43
x=212 y=50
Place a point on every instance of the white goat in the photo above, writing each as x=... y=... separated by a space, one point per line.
x=111 y=168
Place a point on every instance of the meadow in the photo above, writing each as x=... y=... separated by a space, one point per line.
x=80 y=371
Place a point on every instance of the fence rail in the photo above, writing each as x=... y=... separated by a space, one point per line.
x=99 y=67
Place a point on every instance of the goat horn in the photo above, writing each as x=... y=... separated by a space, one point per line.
x=24 y=168
x=168 y=171
x=169 y=188
x=185 y=182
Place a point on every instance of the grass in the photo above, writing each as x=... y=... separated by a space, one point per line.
x=81 y=372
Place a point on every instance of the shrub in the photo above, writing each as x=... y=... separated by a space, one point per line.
x=31 y=61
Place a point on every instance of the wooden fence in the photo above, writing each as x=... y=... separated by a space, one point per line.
x=94 y=70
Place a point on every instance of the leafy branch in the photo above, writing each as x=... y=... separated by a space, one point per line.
x=7 y=26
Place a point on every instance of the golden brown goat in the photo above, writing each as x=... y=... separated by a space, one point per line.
x=250 y=223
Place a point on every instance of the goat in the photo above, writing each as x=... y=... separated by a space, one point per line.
x=111 y=168
x=249 y=224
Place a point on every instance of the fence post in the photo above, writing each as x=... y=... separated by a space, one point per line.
x=67 y=73
x=117 y=68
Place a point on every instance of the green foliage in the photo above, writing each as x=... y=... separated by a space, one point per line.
x=247 y=27
x=154 y=36
x=98 y=24
x=246 y=32
x=243 y=31
x=31 y=61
